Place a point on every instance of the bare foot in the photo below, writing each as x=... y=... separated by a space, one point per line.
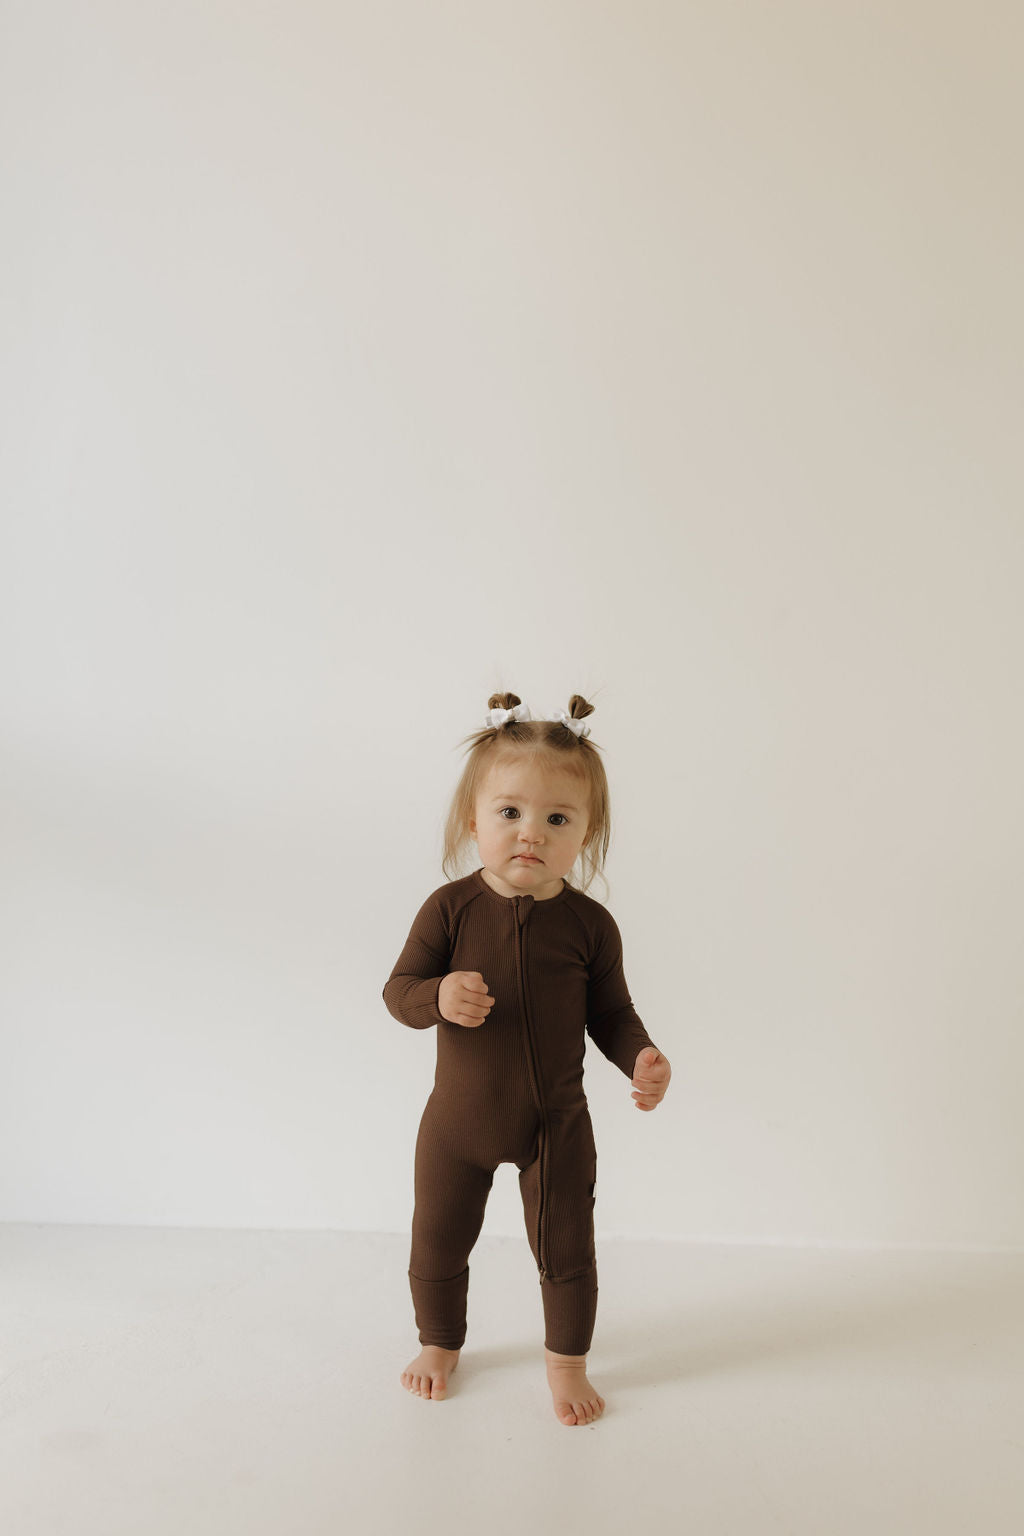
x=427 y=1375
x=576 y=1401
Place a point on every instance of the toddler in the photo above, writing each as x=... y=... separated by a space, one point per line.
x=514 y=966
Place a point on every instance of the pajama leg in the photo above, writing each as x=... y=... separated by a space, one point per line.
x=451 y=1196
x=569 y=1284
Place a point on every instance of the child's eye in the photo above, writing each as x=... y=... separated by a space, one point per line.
x=505 y=808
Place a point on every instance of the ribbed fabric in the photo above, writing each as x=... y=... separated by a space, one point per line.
x=512 y=1091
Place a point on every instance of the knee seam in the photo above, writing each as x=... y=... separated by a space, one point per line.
x=445 y=1280
x=577 y=1274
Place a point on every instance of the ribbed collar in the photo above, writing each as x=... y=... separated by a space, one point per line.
x=507 y=900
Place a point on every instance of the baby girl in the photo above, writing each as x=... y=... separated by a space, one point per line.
x=515 y=967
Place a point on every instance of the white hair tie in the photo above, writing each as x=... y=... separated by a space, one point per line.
x=576 y=726
x=498 y=717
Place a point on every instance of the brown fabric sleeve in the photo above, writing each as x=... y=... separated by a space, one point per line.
x=410 y=992
x=612 y=1022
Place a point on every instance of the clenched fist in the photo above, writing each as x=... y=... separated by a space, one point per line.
x=463 y=998
x=651 y=1074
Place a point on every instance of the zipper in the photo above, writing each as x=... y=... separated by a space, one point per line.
x=522 y=914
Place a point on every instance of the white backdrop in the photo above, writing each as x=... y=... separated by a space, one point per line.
x=359 y=360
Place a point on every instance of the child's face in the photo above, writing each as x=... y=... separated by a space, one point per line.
x=523 y=809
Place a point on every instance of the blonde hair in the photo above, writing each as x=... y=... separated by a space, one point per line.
x=552 y=745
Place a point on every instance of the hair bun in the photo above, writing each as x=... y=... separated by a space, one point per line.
x=579 y=708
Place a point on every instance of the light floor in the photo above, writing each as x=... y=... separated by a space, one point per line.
x=161 y=1382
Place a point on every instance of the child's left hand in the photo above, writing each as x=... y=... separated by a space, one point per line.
x=651 y=1073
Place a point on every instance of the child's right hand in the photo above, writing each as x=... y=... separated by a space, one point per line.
x=462 y=998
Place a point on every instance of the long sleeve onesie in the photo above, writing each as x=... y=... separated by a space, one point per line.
x=511 y=1090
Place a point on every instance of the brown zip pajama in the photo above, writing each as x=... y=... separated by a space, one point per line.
x=511 y=1091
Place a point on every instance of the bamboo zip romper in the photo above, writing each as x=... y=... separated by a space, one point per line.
x=511 y=1091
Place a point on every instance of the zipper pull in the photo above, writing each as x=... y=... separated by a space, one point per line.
x=523 y=905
